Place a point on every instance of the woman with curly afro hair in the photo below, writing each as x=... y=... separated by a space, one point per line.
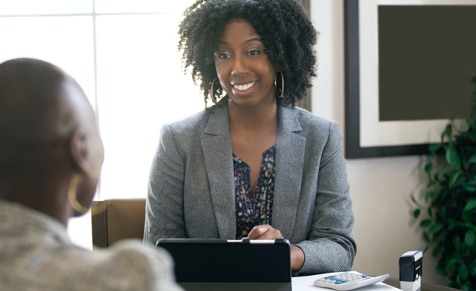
x=252 y=164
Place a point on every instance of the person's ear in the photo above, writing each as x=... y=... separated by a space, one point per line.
x=80 y=152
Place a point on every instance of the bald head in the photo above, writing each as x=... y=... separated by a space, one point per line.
x=31 y=111
x=47 y=125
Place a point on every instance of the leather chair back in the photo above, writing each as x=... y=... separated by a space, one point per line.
x=117 y=219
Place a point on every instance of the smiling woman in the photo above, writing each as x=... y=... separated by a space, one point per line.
x=253 y=165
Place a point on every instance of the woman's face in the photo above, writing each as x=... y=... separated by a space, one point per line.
x=243 y=66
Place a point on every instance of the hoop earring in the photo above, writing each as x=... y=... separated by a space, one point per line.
x=212 y=92
x=279 y=92
x=73 y=200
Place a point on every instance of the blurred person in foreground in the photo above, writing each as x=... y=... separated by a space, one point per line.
x=51 y=155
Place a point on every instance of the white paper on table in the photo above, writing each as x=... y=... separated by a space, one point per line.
x=303 y=283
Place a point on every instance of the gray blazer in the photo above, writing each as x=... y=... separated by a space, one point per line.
x=191 y=186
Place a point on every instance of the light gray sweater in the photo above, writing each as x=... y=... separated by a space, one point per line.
x=37 y=255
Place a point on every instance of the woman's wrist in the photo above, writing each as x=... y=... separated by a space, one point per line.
x=297 y=258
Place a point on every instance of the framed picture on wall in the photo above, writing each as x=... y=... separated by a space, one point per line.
x=408 y=70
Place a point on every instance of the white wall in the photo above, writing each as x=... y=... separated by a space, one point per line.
x=380 y=187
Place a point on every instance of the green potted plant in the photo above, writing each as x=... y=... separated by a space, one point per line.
x=448 y=212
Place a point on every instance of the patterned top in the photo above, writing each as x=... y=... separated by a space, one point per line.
x=253 y=208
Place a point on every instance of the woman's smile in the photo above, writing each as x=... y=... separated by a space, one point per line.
x=243 y=89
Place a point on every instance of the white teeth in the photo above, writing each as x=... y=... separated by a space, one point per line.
x=244 y=87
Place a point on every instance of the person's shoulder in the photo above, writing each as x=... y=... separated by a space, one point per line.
x=199 y=119
x=190 y=121
x=196 y=122
x=134 y=264
x=135 y=250
x=307 y=118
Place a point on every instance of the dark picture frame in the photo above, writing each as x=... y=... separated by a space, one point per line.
x=353 y=99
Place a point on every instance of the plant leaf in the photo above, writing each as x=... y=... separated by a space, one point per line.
x=426 y=237
x=414 y=200
x=456 y=242
x=454 y=179
x=452 y=157
x=447 y=132
x=467 y=217
x=472 y=159
x=442 y=213
x=416 y=213
x=435 y=228
x=473 y=268
x=469 y=186
x=470 y=205
x=463 y=272
x=437 y=251
x=434 y=147
x=441 y=271
x=432 y=195
x=428 y=167
x=469 y=238
x=453 y=263
x=425 y=223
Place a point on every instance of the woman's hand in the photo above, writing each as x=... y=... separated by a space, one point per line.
x=266 y=231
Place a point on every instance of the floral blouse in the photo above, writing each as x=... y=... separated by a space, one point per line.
x=253 y=208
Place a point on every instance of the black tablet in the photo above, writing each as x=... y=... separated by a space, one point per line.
x=220 y=260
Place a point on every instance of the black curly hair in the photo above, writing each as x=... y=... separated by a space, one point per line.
x=283 y=26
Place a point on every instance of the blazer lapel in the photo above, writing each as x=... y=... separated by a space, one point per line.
x=216 y=147
x=290 y=149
